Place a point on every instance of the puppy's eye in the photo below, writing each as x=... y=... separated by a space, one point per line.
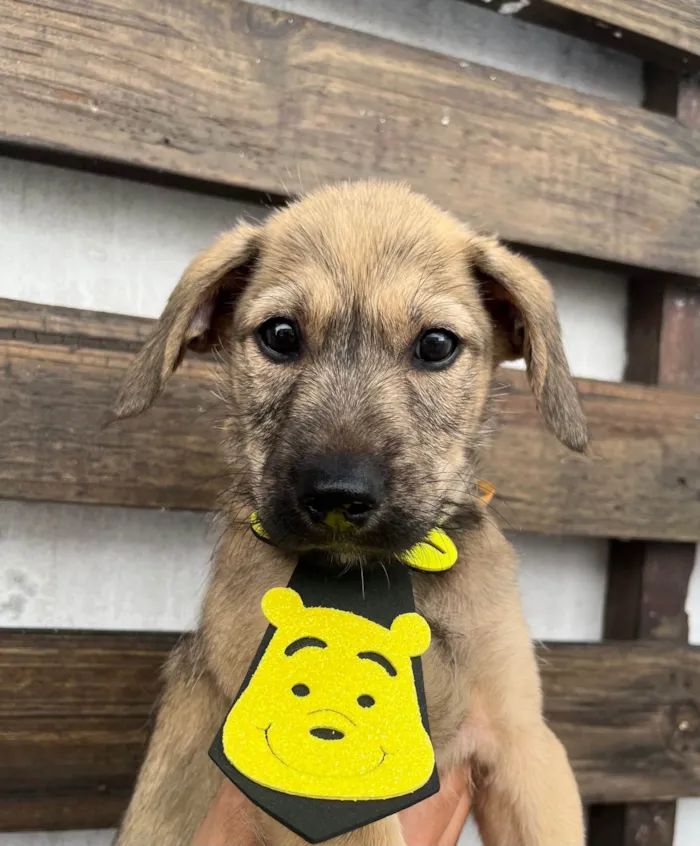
x=279 y=339
x=300 y=690
x=436 y=348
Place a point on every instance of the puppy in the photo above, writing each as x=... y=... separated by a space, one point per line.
x=359 y=329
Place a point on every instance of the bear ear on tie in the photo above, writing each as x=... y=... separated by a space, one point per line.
x=279 y=605
x=412 y=634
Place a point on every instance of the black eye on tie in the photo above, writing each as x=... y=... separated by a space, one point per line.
x=365 y=701
x=435 y=349
x=300 y=690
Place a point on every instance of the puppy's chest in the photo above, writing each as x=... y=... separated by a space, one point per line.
x=445 y=643
x=448 y=639
x=445 y=664
x=446 y=668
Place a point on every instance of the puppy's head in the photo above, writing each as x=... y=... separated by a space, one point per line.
x=360 y=328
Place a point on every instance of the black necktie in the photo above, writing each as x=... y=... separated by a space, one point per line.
x=329 y=731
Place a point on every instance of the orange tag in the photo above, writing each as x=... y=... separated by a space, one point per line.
x=486 y=491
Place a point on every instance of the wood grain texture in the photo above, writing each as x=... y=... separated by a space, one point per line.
x=688 y=101
x=664 y=334
x=628 y=714
x=232 y=94
x=75 y=711
x=647 y=590
x=663 y=31
x=61 y=373
x=71 y=327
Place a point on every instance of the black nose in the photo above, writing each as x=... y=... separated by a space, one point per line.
x=327 y=734
x=342 y=484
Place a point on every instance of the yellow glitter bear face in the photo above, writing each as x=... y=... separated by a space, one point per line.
x=331 y=711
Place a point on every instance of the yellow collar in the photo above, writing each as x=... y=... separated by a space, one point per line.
x=434 y=554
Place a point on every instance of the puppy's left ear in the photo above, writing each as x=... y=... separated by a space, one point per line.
x=198 y=316
x=521 y=304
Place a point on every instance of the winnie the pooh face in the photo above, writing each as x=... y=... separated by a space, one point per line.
x=331 y=711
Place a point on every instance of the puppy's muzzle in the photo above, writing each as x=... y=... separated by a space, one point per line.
x=340 y=490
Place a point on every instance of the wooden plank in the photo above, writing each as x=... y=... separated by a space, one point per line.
x=75 y=711
x=71 y=327
x=648 y=582
x=55 y=400
x=231 y=94
x=662 y=31
x=60 y=381
x=628 y=715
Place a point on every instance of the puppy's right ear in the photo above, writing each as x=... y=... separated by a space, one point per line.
x=197 y=315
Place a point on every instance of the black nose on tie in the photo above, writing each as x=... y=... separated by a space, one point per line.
x=327 y=734
x=342 y=485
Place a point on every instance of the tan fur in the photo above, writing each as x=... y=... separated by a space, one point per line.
x=386 y=258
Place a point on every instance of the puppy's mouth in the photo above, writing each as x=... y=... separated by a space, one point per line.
x=346 y=542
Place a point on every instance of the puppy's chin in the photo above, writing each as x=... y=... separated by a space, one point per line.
x=349 y=558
